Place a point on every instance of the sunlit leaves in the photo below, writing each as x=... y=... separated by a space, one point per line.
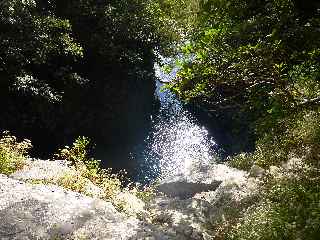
x=29 y=40
x=248 y=49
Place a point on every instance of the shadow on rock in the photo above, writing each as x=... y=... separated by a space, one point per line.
x=29 y=220
x=185 y=190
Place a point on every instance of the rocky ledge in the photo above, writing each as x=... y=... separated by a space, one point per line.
x=187 y=206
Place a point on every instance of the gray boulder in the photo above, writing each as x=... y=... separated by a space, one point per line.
x=49 y=212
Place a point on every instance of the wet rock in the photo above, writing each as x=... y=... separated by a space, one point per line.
x=130 y=203
x=208 y=173
x=293 y=163
x=200 y=198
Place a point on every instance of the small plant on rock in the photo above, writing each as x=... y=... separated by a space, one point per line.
x=110 y=185
x=12 y=153
x=88 y=169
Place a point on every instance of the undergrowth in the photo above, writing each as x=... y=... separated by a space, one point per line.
x=12 y=153
x=294 y=136
x=289 y=209
x=88 y=171
x=85 y=175
x=289 y=204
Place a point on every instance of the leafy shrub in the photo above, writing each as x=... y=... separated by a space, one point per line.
x=243 y=161
x=77 y=155
x=289 y=206
x=289 y=209
x=261 y=59
x=146 y=194
x=88 y=169
x=12 y=153
x=296 y=135
x=74 y=182
x=29 y=41
x=255 y=60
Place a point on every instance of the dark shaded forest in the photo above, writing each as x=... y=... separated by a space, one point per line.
x=71 y=68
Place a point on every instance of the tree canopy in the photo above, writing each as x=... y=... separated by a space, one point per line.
x=68 y=67
x=259 y=57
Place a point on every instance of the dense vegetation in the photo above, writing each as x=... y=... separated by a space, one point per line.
x=259 y=58
x=256 y=64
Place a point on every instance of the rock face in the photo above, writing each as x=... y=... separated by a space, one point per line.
x=48 y=212
x=42 y=170
x=185 y=207
x=198 y=200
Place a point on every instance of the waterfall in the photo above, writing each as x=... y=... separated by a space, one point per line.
x=175 y=142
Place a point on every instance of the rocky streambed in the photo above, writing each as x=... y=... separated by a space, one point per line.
x=188 y=206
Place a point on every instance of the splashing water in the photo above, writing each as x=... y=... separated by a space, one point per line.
x=176 y=141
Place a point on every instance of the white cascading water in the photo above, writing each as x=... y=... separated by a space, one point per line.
x=176 y=140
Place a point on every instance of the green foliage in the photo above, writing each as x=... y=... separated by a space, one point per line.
x=289 y=205
x=243 y=161
x=12 y=153
x=71 y=67
x=289 y=209
x=146 y=194
x=30 y=41
x=88 y=169
x=121 y=31
x=296 y=135
x=74 y=182
x=259 y=56
x=180 y=16
x=78 y=157
x=260 y=59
